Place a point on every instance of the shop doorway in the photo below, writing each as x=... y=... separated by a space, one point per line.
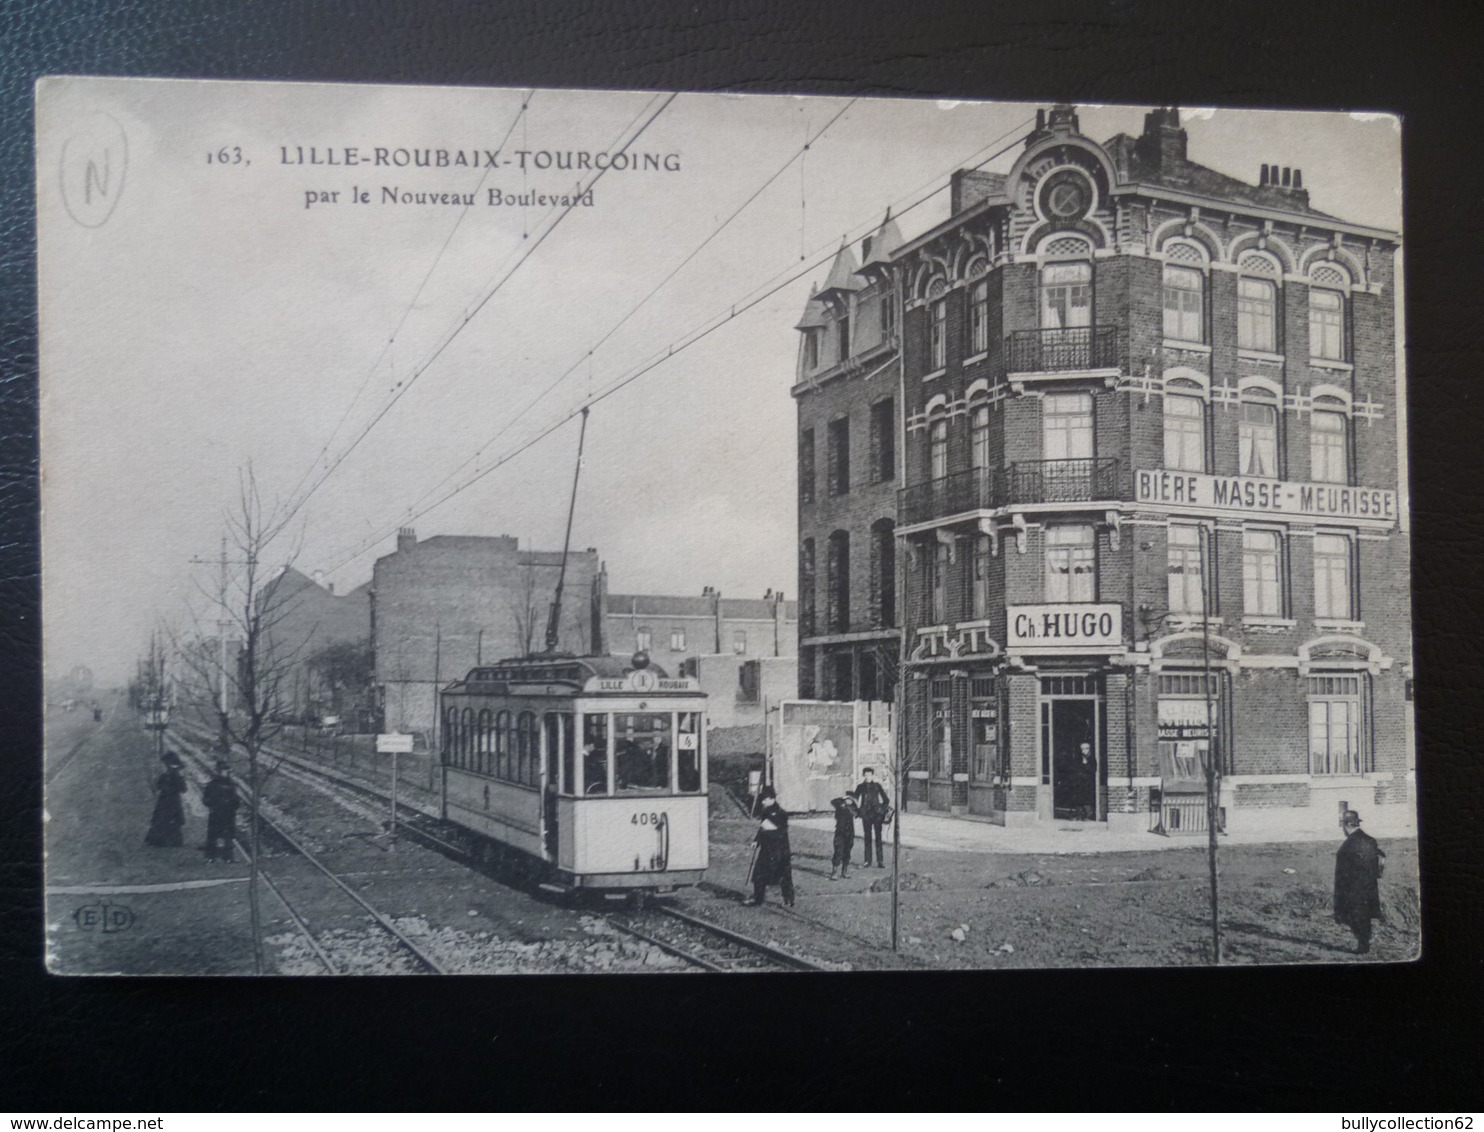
x=1074 y=764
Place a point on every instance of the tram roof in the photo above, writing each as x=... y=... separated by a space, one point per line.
x=552 y=669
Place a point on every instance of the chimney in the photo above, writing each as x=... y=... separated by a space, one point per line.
x=406 y=539
x=1298 y=178
x=1263 y=179
x=1163 y=142
x=331 y=587
x=1287 y=176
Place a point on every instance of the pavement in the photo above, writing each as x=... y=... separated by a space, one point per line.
x=1255 y=827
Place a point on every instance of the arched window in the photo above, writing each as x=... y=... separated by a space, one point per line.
x=807 y=582
x=1185 y=428
x=938 y=333
x=837 y=582
x=1326 y=324
x=938 y=449
x=1185 y=307
x=979 y=317
x=1257 y=305
x=1066 y=295
x=1329 y=455
x=1257 y=435
x=466 y=738
x=450 y=734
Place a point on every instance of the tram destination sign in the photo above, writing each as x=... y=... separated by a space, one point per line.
x=1247 y=495
x=1066 y=627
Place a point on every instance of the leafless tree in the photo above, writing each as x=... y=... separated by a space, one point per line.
x=526 y=612
x=250 y=695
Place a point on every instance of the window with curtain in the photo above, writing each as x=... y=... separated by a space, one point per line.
x=1333 y=555
x=938 y=334
x=938 y=449
x=1335 y=731
x=1262 y=594
x=1184 y=291
x=1326 y=324
x=1066 y=295
x=1328 y=447
x=979 y=317
x=1185 y=432
x=1071 y=564
x=1185 y=569
x=979 y=437
x=1257 y=439
x=1257 y=319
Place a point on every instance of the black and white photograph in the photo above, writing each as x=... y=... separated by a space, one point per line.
x=502 y=531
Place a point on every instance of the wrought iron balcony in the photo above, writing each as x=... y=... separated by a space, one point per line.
x=1027 y=482
x=1062 y=351
x=1064 y=481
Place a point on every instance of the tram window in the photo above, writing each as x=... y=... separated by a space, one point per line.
x=595 y=754
x=450 y=725
x=688 y=753
x=466 y=738
x=642 y=752
x=482 y=741
x=564 y=751
x=526 y=737
x=502 y=745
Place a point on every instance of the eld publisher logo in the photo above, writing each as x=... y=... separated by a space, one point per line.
x=104 y=917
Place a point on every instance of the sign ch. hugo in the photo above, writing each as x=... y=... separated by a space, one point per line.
x=1251 y=496
x=1065 y=627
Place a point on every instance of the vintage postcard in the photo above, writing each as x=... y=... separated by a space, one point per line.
x=548 y=531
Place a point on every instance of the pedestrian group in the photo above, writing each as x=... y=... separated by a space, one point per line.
x=219 y=795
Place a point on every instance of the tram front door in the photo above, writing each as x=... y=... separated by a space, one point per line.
x=1072 y=758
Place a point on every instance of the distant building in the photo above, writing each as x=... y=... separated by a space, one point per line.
x=308 y=617
x=443 y=605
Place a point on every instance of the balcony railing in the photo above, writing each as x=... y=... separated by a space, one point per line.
x=1062 y=351
x=1027 y=482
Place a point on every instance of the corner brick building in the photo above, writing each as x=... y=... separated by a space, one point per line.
x=1149 y=500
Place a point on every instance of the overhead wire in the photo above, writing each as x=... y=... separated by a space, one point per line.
x=527 y=250
x=751 y=300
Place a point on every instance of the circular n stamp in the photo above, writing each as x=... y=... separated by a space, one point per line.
x=94 y=159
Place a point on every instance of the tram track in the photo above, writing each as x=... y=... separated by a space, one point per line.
x=707 y=945
x=420 y=960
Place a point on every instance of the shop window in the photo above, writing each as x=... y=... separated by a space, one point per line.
x=1187 y=707
x=1066 y=295
x=984 y=732
x=938 y=334
x=1185 y=432
x=942 y=729
x=837 y=457
x=1257 y=436
x=1326 y=324
x=979 y=317
x=1185 y=569
x=1066 y=426
x=1333 y=592
x=1329 y=460
x=1184 y=294
x=883 y=442
x=1335 y=732
x=1257 y=317
x=1262 y=592
x=806 y=466
x=1071 y=564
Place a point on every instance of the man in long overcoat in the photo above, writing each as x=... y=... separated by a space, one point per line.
x=221 y=800
x=1358 y=867
x=774 y=863
x=168 y=821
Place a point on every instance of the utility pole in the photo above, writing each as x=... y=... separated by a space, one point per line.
x=553 y=622
x=1213 y=779
x=223 y=624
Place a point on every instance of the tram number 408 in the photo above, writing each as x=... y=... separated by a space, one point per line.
x=648 y=819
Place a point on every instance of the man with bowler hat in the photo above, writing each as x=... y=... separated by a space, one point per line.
x=774 y=861
x=222 y=802
x=1358 y=867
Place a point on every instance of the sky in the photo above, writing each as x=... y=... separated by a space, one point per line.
x=201 y=316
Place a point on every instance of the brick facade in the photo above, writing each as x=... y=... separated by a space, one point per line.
x=1085 y=472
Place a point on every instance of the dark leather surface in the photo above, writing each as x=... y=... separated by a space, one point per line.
x=1350 y=1039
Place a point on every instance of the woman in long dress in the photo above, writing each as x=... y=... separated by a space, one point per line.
x=166 y=826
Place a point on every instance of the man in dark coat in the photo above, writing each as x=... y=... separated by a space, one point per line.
x=871 y=797
x=222 y=802
x=774 y=861
x=167 y=823
x=845 y=815
x=1358 y=866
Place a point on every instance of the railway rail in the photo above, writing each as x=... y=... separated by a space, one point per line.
x=703 y=944
x=420 y=959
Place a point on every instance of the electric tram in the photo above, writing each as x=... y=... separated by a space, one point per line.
x=593 y=768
